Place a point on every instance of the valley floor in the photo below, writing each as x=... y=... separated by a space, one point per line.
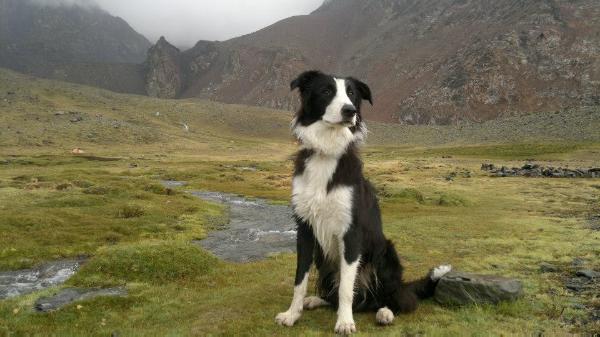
x=54 y=207
x=108 y=205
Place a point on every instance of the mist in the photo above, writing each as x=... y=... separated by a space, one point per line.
x=184 y=22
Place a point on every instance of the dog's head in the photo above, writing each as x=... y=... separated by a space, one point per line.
x=330 y=117
x=333 y=100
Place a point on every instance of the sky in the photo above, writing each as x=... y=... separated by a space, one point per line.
x=184 y=22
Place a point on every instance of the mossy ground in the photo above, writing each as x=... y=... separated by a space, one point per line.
x=136 y=233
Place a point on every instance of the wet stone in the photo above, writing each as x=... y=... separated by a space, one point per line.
x=70 y=295
x=256 y=229
x=20 y=282
x=459 y=288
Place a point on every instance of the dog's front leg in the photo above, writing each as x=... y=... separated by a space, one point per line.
x=349 y=263
x=305 y=243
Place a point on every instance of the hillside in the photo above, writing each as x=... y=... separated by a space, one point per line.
x=429 y=62
x=79 y=43
x=51 y=116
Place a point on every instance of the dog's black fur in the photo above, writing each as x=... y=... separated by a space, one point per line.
x=380 y=280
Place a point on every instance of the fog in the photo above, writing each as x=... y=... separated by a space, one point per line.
x=184 y=22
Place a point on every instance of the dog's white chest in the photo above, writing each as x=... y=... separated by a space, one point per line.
x=328 y=214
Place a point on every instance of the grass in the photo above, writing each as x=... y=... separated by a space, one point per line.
x=138 y=233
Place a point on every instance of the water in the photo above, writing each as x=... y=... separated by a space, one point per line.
x=256 y=229
x=19 y=282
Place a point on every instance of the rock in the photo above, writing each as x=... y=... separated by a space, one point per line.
x=591 y=274
x=70 y=295
x=459 y=288
x=546 y=267
x=76 y=119
x=535 y=170
x=576 y=284
x=19 y=282
x=164 y=78
x=60 y=113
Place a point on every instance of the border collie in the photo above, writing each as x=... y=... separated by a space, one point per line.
x=337 y=213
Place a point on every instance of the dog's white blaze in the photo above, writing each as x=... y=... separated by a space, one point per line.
x=348 y=272
x=329 y=214
x=290 y=317
x=333 y=112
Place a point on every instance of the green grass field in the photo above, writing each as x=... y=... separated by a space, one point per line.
x=108 y=204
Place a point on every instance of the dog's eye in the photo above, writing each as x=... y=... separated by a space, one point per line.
x=350 y=92
x=326 y=92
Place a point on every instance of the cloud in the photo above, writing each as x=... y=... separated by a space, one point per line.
x=56 y=3
x=184 y=22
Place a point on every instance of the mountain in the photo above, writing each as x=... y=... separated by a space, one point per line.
x=427 y=61
x=79 y=43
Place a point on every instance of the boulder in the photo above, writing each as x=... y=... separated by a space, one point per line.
x=70 y=295
x=546 y=267
x=591 y=274
x=459 y=288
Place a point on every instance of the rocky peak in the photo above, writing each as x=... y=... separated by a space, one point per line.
x=164 y=77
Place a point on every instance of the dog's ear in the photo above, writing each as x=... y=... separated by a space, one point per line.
x=363 y=90
x=304 y=79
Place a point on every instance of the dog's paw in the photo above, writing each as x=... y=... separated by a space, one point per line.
x=344 y=327
x=287 y=318
x=439 y=272
x=384 y=316
x=313 y=302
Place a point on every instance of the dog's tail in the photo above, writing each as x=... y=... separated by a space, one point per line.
x=425 y=287
x=403 y=297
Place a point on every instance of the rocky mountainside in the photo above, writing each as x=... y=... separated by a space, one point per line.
x=427 y=61
x=57 y=41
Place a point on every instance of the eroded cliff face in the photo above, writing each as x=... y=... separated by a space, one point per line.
x=427 y=61
x=164 y=78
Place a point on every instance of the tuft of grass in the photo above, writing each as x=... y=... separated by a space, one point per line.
x=404 y=194
x=448 y=199
x=130 y=211
x=151 y=262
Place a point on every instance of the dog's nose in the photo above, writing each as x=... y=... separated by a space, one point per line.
x=348 y=111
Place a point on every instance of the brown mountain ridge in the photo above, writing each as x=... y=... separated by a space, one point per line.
x=427 y=61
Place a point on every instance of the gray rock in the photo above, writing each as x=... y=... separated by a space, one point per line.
x=546 y=267
x=459 y=288
x=70 y=295
x=591 y=274
x=577 y=284
x=19 y=282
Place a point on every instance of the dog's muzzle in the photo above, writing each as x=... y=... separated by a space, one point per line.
x=348 y=114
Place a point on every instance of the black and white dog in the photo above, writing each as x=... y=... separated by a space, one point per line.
x=337 y=213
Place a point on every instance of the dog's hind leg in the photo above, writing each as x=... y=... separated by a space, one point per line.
x=305 y=247
x=314 y=302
